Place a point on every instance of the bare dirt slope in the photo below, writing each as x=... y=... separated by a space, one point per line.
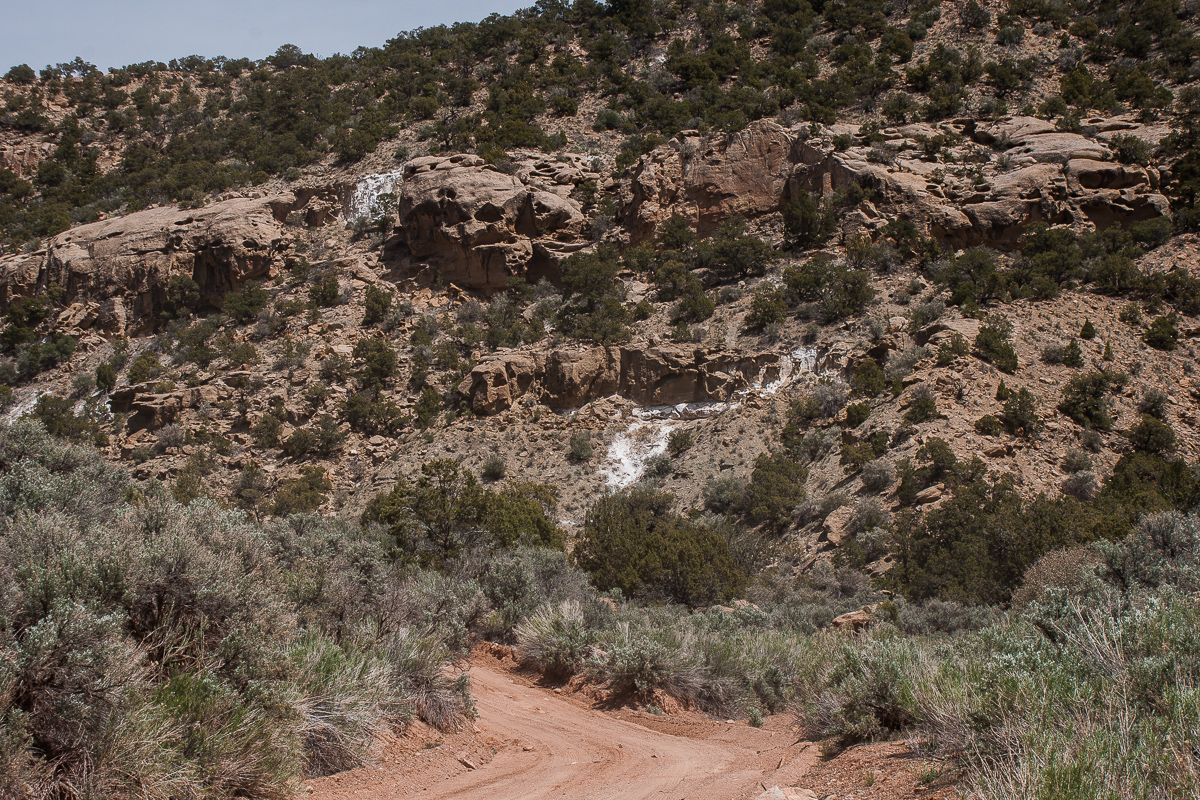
x=548 y=746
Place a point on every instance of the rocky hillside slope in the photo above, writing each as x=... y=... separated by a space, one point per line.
x=944 y=234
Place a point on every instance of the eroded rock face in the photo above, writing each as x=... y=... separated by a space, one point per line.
x=155 y=409
x=119 y=269
x=1036 y=174
x=743 y=173
x=478 y=226
x=568 y=378
x=23 y=159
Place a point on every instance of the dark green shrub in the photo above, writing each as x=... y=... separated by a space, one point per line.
x=325 y=292
x=106 y=377
x=372 y=415
x=494 y=467
x=807 y=222
x=57 y=415
x=776 y=487
x=767 y=307
x=302 y=495
x=302 y=442
x=1072 y=355
x=21 y=74
x=428 y=405
x=377 y=362
x=522 y=515
x=974 y=16
x=1020 y=413
x=183 y=297
x=840 y=291
x=953 y=552
x=243 y=305
x=868 y=379
x=1151 y=232
x=1130 y=149
x=733 y=253
x=1154 y=402
x=678 y=442
x=923 y=409
x=988 y=425
x=592 y=306
x=992 y=343
x=694 y=303
x=1131 y=314
x=1162 y=333
x=857 y=414
x=1085 y=400
x=1152 y=435
x=376 y=305
x=144 y=368
x=436 y=517
x=266 y=431
x=956 y=347
x=579 y=447
x=1088 y=331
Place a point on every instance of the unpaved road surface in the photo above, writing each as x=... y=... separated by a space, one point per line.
x=531 y=744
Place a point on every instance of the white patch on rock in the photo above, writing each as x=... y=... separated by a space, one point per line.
x=21 y=409
x=367 y=192
x=629 y=452
x=647 y=435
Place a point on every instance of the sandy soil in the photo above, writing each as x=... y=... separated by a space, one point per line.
x=530 y=742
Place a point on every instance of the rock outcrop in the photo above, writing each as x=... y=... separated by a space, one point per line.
x=23 y=159
x=1030 y=172
x=745 y=173
x=479 y=226
x=568 y=378
x=118 y=269
x=154 y=409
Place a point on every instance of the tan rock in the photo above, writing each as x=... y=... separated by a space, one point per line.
x=478 y=226
x=709 y=181
x=836 y=524
x=854 y=621
x=571 y=377
x=929 y=494
x=131 y=259
x=787 y=793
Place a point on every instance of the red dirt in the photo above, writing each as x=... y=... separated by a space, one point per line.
x=531 y=742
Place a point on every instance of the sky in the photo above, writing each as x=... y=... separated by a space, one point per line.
x=112 y=34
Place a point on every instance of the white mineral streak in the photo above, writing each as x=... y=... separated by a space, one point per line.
x=368 y=190
x=647 y=435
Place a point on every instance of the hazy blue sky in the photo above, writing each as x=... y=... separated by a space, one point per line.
x=108 y=34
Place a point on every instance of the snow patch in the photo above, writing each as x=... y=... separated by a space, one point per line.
x=368 y=190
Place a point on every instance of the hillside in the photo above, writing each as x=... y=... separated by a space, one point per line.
x=824 y=307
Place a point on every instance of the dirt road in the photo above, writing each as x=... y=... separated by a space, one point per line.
x=532 y=744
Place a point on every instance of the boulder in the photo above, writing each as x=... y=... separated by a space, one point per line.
x=155 y=409
x=23 y=159
x=478 y=226
x=497 y=384
x=854 y=621
x=836 y=524
x=19 y=276
x=929 y=494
